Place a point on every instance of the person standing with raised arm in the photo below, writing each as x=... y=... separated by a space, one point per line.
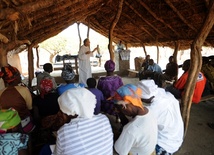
x=84 y=61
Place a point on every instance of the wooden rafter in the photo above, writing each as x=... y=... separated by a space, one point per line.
x=139 y=27
x=144 y=19
x=180 y=16
x=157 y=18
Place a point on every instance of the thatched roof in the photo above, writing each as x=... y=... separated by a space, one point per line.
x=142 y=22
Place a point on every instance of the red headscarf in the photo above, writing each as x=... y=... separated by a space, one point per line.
x=9 y=73
x=46 y=85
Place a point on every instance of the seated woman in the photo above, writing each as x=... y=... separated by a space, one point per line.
x=69 y=76
x=55 y=121
x=46 y=102
x=16 y=96
x=108 y=85
x=84 y=133
x=12 y=140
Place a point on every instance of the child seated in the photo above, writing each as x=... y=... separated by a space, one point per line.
x=91 y=82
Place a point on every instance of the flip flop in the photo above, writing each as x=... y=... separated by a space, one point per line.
x=211 y=125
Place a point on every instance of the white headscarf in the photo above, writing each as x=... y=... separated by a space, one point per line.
x=78 y=101
x=149 y=88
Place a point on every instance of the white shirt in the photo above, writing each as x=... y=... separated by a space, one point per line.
x=170 y=124
x=139 y=136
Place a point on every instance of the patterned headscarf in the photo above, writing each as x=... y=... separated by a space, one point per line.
x=130 y=94
x=9 y=118
x=77 y=101
x=109 y=66
x=67 y=73
x=46 y=86
x=9 y=73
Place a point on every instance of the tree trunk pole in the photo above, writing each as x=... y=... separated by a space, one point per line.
x=112 y=26
x=30 y=65
x=37 y=56
x=78 y=29
x=175 y=53
x=195 y=66
x=3 y=56
x=158 y=53
x=144 y=49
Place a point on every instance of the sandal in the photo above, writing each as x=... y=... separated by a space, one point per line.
x=211 y=125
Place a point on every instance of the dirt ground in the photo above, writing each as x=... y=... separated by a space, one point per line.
x=199 y=139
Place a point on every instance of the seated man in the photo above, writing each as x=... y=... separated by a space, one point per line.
x=139 y=136
x=166 y=109
x=120 y=46
x=178 y=87
x=170 y=74
x=152 y=69
x=85 y=133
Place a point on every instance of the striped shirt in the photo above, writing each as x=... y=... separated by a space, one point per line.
x=85 y=137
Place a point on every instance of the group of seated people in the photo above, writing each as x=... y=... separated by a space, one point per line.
x=149 y=116
x=167 y=79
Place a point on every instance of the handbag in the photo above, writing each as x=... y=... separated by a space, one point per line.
x=27 y=124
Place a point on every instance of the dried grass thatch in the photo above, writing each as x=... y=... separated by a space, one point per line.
x=142 y=22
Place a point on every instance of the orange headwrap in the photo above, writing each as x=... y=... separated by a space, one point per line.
x=130 y=94
x=9 y=73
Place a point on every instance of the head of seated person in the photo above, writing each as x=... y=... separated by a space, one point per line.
x=186 y=65
x=10 y=75
x=12 y=138
x=73 y=103
x=10 y=121
x=109 y=67
x=48 y=67
x=91 y=82
x=46 y=87
x=68 y=74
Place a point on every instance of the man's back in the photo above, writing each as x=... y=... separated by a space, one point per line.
x=85 y=136
x=167 y=111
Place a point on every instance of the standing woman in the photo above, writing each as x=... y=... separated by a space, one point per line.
x=84 y=61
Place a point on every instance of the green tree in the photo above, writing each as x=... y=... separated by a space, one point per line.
x=55 y=45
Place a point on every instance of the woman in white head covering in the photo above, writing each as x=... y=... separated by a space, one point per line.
x=85 y=133
x=166 y=109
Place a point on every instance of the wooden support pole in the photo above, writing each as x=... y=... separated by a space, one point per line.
x=195 y=66
x=144 y=49
x=113 y=24
x=78 y=29
x=158 y=53
x=175 y=53
x=37 y=56
x=3 y=56
x=30 y=65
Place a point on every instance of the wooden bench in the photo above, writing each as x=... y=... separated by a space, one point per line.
x=132 y=73
x=206 y=98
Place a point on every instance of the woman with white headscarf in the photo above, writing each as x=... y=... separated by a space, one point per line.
x=85 y=133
